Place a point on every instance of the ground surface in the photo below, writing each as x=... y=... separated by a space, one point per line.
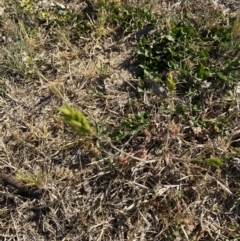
x=146 y=173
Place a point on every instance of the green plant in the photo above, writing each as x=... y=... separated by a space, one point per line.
x=31 y=180
x=132 y=125
x=75 y=119
x=74 y=23
x=214 y=161
x=103 y=71
x=170 y=83
x=26 y=5
x=132 y=18
x=201 y=57
x=115 y=15
x=18 y=61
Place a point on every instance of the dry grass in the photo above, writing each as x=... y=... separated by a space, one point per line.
x=150 y=184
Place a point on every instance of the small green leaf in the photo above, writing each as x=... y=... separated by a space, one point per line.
x=170 y=38
x=221 y=76
x=214 y=161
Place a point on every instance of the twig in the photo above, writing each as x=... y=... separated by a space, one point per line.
x=12 y=181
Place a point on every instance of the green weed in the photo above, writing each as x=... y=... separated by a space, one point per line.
x=75 y=119
x=214 y=161
x=132 y=18
x=103 y=71
x=132 y=125
x=31 y=180
x=27 y=5
x=18 y=61
x=201 y=58
x=104 y=17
